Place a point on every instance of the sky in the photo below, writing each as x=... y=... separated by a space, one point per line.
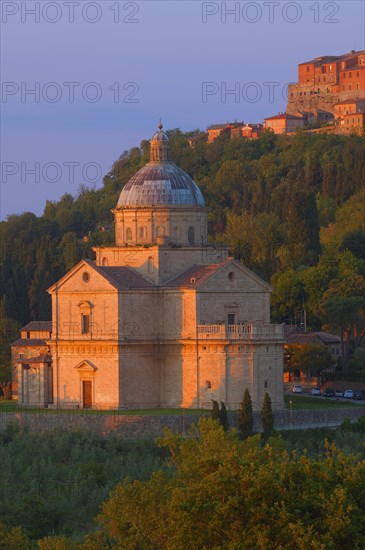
x=83 y=81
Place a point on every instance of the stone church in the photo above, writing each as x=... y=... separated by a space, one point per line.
x=160 y=319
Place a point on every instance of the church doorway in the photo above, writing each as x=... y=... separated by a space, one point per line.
x=87 y=399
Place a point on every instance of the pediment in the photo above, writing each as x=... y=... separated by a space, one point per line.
x=84 y=277
x=86 y=366
x=236 y=277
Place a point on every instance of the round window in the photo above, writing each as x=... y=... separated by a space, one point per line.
x=85 y=277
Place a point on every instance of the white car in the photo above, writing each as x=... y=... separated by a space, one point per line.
x=297 y=389
x=349 y=394
x=316 y=391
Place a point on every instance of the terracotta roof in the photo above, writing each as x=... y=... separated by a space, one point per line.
x=123 y=278
x=225 y=125
x=322 y=59
x=38 y=325
x=284 y=115
x=313 y=337
x=353 y=68
x=29 y=342
x=353 y=100
x=329 y=58
x=40 y=359
x=195 y=275
x=357 y=113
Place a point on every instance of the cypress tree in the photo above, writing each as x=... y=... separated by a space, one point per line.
x=223 y=416
x=267 y=417
x=245 y=419
x=215 y=411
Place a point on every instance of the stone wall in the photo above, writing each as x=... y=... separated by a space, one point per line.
x=305 y=97
x=153 y=426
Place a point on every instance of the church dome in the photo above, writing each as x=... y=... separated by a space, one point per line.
x=160 y=182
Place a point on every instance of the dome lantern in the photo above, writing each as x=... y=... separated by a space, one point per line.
x=160 y=147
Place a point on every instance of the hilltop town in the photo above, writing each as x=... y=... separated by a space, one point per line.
x=329 y=97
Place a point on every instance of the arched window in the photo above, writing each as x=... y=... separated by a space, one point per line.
x=150 y=264
x=85 y=311
x=160 y=230
x=104 y=262
x=128 y=234
x=191 y=235
x=143 y=232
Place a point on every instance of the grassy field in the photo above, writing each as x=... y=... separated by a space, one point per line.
x=11 y=406
x=301 y=402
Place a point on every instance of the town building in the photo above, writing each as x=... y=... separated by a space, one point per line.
x=252 y=131
x=160 y=319
x=326 y=81
x=196 y=139
x=350 y=106
x=284 y=123
x=353 y=123
x=235 y=130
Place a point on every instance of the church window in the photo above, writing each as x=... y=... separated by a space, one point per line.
x=150 y=264
x=28 y=335
x=265 y=384
x=142 y=232
x=128 y=234
x=191 y=236
x=231 y=275
x=85 y=323
x=104 y=262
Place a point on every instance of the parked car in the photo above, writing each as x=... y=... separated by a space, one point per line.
x=359 y=394
x=349 y=394
x=316 y=391
x=329 y=392
x=297 y=388
x=338 y=393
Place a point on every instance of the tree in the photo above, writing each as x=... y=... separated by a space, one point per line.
x=223 y=416
x=210 y=499
x=267 y=417
x=215 y=411
x=308 y=358
x=343 y=307
x=287 y=300
x=303 y=229
x=9 y=332
x=245 y=418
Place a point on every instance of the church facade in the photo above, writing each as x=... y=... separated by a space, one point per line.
x=160 y=319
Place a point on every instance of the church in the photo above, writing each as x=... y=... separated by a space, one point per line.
x=160 y=319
